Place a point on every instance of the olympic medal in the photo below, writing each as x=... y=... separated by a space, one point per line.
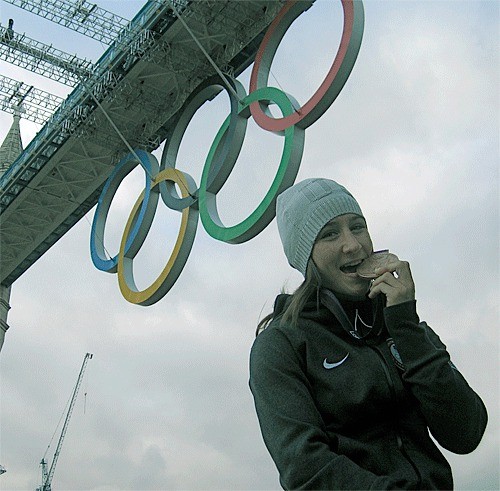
x=378 y=259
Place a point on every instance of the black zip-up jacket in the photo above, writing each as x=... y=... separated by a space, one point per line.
x=337 y=412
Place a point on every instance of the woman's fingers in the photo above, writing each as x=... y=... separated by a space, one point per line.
x=395 y=282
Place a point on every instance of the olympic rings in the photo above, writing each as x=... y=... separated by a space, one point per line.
x=202 y=202
x=207 y=90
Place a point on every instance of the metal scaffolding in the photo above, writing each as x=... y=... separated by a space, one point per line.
x=34 y=104
x=43 y=59
x=81 y=16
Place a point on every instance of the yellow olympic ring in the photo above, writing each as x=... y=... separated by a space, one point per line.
x=178 y=257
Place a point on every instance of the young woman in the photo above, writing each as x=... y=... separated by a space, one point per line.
x=347 y=381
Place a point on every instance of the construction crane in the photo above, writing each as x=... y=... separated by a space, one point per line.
x=48 y=474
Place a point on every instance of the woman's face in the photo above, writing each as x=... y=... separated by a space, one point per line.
x=340 y=247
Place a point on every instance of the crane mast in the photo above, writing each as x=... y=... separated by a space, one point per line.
x=48 y=475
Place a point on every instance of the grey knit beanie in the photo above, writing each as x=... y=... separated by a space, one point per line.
x=304 y=209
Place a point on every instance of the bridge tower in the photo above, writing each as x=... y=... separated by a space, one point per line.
x=12 y=145
x=10 y=149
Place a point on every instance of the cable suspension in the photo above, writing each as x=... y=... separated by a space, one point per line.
x=207 y=56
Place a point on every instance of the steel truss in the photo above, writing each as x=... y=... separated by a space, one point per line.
x=80 y=15
x=34 y=104
x=43 y=59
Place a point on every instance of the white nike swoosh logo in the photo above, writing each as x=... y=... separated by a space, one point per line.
x=329 y=366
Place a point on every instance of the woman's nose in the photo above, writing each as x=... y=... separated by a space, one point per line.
x=350 y=243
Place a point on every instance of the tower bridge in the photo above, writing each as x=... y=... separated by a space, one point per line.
x=142 y=80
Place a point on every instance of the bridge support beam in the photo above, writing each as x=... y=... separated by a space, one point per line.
x=4 y=309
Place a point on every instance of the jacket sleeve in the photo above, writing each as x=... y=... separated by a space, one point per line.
x=455 y=414
x=292 y=427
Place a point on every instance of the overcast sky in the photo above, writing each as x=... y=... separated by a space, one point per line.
x=165 y=402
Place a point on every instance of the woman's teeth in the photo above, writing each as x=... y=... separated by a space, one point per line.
x=349 y=269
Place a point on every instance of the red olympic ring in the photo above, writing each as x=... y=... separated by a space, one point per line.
x=334 y=81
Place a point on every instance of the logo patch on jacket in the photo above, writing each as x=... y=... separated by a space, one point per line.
x=395 y=354
x=335 y=364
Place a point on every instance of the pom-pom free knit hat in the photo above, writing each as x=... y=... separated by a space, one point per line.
x=304 y=209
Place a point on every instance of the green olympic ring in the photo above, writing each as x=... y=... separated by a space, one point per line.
x=161 y=179
x=287 y=171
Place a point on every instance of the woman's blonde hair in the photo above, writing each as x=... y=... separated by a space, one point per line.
x=309 y=287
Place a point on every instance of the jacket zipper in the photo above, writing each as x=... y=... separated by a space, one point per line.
x=333 y=304
x=399 y=440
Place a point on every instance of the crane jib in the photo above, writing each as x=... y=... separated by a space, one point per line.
x=48 y=475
